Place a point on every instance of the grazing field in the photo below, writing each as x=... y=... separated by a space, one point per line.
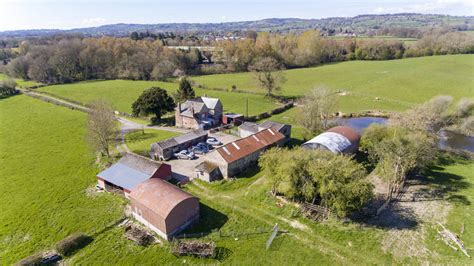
x=140 y=142
x=45 y=168
x=397 y=83
x=20 y=82
x=122 y=93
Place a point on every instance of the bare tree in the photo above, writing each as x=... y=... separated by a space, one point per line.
x=317 y=107
x=101 y=127
x=267 y=72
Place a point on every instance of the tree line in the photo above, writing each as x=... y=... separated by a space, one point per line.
x=75 y=59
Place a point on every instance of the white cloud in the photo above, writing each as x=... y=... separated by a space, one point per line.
x=93 y=21
x=438 y=6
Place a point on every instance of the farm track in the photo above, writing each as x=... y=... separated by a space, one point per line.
x=305 y=235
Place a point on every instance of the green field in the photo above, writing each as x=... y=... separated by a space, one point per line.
x=122 y=93
x=397 y=83
x=20 y=82
x=140 y=142
x=45 y=169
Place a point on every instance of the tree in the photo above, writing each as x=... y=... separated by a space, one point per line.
x=334 y=181
x=155 y=101
x=101 y=127
x=267 y=72
x=8 y=87
x=317 y=107
x=397 y=152
x=163 y=70
x=185 y=91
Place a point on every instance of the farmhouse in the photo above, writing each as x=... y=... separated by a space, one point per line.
x=249 y=128
x=201 y=112
x=340 y=139
x=235 y=157
x=163 y=207
x=131 y=170
x=164 y=150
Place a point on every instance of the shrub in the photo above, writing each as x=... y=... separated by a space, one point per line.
x=72 y=243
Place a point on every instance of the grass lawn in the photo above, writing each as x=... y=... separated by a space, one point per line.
x=398 y=83
x=122 y=93
x=20 y=82
x=45 y=168
x=140 y=143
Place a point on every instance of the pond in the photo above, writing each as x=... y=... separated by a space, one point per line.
x=448 y=139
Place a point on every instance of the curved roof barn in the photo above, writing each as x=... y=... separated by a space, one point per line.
x=340 y=139
x=163 y=205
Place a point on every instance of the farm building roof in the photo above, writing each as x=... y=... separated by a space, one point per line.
x=243 y=147
x=206 y=166
x=129 y=171
x=249 y=126
x=339 y=139
x=211 y=103
x=171 y=142
x=159 y=196
x=271 y=124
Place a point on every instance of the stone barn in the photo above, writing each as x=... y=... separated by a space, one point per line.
x=131 y=170
x=165 y=150
x=250 y=128
x=163 y=207
x=340 y=139
x=208 y=172
x=236 y=157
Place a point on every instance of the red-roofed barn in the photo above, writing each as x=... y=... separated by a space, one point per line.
x=163 y=207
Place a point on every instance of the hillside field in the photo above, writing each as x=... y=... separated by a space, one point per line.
x=122 y=93
x=397 y=83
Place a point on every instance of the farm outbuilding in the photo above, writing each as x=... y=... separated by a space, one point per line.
x=131 y=170
x=208 y=172
x=163 y=207
x=236 y=157
x=250 y=128
x=165 y=150
x=340 y=139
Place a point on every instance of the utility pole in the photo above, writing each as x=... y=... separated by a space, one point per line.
x=247 y=109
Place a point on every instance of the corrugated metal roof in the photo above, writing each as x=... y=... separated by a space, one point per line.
x=159 y=196
x=337 y=139
x=271 y=124
x=249 y=126
x=171 y=142
x=129 y=171
x=243 y=147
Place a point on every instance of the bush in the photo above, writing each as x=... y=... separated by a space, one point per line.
x=72 y=243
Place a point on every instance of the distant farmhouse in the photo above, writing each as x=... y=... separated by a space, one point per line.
x=131 y=170
x=163 y=207
x=340 y=139
x=236 y=157
x=249 y=128
x=199 y=113
x=165 y=150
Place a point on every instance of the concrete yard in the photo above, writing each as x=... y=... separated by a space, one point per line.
x=183 y=170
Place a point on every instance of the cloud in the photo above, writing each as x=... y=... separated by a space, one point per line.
x=93 y=21
x=441 y=6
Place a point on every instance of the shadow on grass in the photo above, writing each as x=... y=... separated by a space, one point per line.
x=2 y=97
x=164 y=121
x=210 y=220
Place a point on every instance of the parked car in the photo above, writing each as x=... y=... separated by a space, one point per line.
x=201 y=148
x=213 y=141
x=184 y=154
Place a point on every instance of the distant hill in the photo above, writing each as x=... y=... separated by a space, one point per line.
x=358 y=24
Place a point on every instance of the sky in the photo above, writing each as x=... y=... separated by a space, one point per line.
x=68 y=14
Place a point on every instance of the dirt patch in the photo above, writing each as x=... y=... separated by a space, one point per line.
x=409 y=220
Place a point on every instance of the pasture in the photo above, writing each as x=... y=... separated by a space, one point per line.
x=140 y=141
x=45 y=171
x=122 y=93
x=20 y=82
x=398 y=84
